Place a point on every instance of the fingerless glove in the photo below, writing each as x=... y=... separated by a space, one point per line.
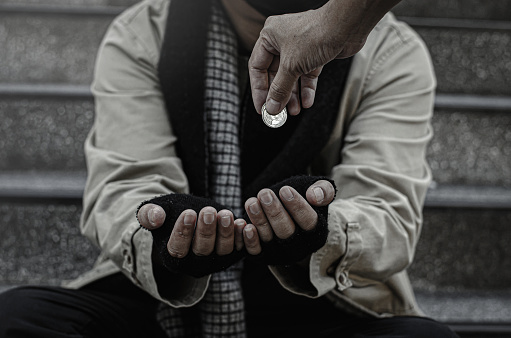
x=276 y=252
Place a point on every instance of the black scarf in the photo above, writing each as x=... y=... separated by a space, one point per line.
x=268 y=155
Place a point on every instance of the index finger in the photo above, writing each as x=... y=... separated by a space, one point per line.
x=258 y=66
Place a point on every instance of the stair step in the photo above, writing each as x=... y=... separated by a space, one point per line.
x=40 y=185
x=44 y=133
x=64 y=185
x=49 y=48
x=490 y=309
x=456 y=244
x=470 y=61
x=465 y=9
x=67 y=3
x=471 y=148
x=41 y=243
x=463 y=248
x=60 y=48
x=44 y=127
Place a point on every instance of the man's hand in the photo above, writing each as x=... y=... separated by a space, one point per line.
x=208 y=232
x=295 y=47
x=271 y=217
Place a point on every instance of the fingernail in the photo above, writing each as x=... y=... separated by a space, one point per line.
x=320 y=196
x=287 y=193
x=249 y=232
x=266 y=198
x=225 y=221
x=272 y=107
x=209 y=217
x=254 y=208
x=189 y=219
x=153 y=216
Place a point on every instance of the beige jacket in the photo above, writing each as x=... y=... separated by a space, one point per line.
x=376 y=156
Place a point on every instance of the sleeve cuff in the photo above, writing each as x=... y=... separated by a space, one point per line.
x=136 y=248
x=328 y=267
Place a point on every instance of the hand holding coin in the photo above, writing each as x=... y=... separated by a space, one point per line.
x=274 y=121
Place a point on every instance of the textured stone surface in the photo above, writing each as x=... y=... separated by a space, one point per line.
x=44 y=134
x=459 y=249
x=468 y=306
x=41 y=244
x=71 y=2
x=466 y=9
x=470 y=61
x=471 y=148
x=463 y=249
x=49 y=48
x=472 y=9
x=62 y=49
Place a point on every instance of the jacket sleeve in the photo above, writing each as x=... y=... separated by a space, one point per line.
x=383 y=176
x=131 y=158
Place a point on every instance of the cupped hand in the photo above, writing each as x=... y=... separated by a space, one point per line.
x=280 y=216
x=209 y=231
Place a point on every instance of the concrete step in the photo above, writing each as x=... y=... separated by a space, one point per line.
x=471 y=313
x=471 y=147
x=41 y=243
x=44 y=128
x=49 y=48
x=44 y=133
x=463 y=9
x=461 y=271
x=67 y=3
x=59 y=48
x=463 y=247
x=470 y=61
x=474 y=306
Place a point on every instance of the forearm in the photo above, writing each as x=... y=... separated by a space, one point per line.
x=349 y=22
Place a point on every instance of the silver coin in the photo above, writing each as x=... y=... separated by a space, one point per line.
x=274 y=121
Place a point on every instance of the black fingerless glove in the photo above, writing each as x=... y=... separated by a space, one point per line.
x=191 y=264
x=302 y=243
x=276 y=252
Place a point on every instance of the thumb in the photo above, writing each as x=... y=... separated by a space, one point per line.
x=151 y=216
x=280 y=90
x=320 y=193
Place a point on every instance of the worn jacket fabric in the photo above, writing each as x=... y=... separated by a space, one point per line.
x=375 y=155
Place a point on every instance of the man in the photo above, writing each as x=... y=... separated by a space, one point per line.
x=237 y=237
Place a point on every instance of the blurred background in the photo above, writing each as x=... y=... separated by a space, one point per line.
x=462 y=270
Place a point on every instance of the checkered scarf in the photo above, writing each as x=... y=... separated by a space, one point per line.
x=221 y=311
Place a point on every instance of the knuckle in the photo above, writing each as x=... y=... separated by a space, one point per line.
x=206 y=235
x=183 y=234
x=264 y=225
x=202 y=251
x=176 y=252
x=278 y=92
x=276 y=213
x=309 y=222
x=225 y=234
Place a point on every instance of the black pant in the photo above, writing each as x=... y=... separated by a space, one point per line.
x=113 y=307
